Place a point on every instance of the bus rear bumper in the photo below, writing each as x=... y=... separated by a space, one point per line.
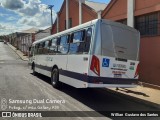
x=91 y=85
x=102 y=82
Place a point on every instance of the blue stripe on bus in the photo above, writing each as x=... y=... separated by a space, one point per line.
x=91 y=79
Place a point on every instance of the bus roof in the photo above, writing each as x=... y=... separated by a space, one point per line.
x=68 y=30
x=93 y=22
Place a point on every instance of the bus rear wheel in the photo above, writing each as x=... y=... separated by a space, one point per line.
x=55 y=78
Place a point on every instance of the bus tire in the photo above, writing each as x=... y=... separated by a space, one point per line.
x=55 y=78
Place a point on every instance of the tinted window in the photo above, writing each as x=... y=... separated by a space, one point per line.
x=77 y=37
x=76 y=45
x=119 y=42
x=81 y=41
x=88 y=40
x=31 y=52
x=40 y=48
x=53 y=46
x=46 y=47
x=36 y=49
x=63 y=47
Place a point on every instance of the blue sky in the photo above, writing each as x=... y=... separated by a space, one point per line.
x=58 y=3
x=18 y=15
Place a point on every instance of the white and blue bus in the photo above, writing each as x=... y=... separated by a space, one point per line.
x=96 y=54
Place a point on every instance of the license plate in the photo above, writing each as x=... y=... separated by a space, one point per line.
x=117 y=76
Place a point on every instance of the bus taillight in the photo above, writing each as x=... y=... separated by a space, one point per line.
x=137 y=71
x=95 y=65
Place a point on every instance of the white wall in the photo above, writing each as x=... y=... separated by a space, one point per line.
x=130 y=12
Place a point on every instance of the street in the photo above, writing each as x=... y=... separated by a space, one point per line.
x=18 y=83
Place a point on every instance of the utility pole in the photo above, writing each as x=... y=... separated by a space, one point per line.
x=130 y=12
x=50 y=7
x=67 y=13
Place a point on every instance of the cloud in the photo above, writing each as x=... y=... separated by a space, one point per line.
x=36 y=14
x=2 y=14
x=11 y=18
x=39 y=20
x=31 y=13
x=2 y=27
x=31 y=8
x=7 y=28
x=12 y=4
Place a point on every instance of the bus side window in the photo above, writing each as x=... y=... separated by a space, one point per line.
x=31 y=51
x=71 y=38
x=88 y=40
x=82 y=43
x=46 y=47
x=63 y=46
x=35 y=49
x=43 y=47
x=76 y=43
x=38 y=45
x=53 y=46
x=40 y=49
x=68 y=38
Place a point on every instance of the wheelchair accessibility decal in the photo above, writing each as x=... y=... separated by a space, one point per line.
x=105 y=62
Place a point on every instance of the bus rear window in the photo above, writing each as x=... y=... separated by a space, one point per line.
x=119 y=42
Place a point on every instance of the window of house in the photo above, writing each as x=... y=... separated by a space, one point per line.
x=147 y=24
x=63 y=44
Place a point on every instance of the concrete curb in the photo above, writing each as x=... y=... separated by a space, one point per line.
x=135 y=99
x=15 y=50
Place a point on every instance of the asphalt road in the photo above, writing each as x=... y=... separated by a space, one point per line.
x=18 y=83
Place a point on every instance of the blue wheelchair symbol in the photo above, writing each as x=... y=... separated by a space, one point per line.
x=105 y=62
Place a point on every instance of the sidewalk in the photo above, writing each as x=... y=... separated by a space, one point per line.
x=18 y=52
x=144 y=95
